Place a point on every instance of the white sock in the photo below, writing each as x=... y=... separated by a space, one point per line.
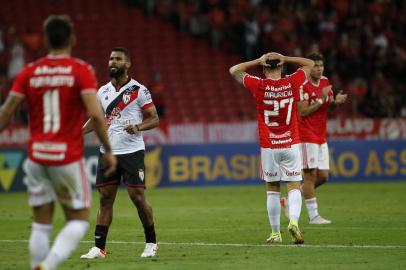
x=311 y=205
x=274 y=210
x=295 y=204
x=39 y=242
x=66 y=241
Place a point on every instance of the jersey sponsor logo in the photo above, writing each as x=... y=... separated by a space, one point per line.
x=278 y=136
x=281 y=141
x=53 y=70
x=271 y=174
x=276 y=89
x=292 y=173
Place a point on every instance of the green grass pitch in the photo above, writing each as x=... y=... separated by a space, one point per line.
x=226 y=227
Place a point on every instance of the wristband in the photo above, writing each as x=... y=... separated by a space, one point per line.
x=138 y=128
x=320 y=101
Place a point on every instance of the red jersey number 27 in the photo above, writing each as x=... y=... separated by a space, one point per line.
x=52 y=116
x=278 y=104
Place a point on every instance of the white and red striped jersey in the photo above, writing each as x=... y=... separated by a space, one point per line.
x=312 y=128
x=123 y=107
x=276 y=108
x=52 y=87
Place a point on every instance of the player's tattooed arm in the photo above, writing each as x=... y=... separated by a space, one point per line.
x=239 y=71
x=239 y=76
x=8 y=108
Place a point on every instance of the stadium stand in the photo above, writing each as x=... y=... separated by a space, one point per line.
x=365 y=54
x=195 y=76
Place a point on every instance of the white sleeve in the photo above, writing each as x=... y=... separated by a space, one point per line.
x=144 y=97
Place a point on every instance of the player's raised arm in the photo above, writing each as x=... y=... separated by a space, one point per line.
x=303 y=63
x=238 y=71
x=8 y=108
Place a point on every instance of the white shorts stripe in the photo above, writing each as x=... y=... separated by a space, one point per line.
x=315 y=156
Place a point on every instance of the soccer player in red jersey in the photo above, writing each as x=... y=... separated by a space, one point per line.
x=317 y=97
x=59 y=91
x=277 y=98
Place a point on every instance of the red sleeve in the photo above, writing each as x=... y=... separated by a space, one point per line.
x=297 y=80
x=87 y=79
x=251 y=83
x=20 y=84
x=304 y=92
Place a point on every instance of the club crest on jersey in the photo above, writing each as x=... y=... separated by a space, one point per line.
x=306 y=96
x=141 y=174
x=126 y=97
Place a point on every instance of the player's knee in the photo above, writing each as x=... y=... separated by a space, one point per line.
x=106 y=200
x=310 y=175
x=323 y=178
x=137 y=197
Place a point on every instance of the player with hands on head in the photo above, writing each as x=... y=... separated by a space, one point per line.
x=277 y=100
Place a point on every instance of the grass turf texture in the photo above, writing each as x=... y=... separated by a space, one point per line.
x=226 y=228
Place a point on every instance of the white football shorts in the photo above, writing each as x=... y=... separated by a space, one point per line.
x=67 y=183
x=315 y=156
x=281 y=164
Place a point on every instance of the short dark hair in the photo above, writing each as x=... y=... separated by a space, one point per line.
x=315 y=56
x=58 y=30
x=123 y=50
x=273 y=64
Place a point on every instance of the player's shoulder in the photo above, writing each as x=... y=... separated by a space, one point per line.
x=78 y=61
x=105 y=88
x=247 y=75
x=31 y=66
x=324 y=80
x=137 y=83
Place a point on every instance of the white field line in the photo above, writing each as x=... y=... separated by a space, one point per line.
x=240 y=245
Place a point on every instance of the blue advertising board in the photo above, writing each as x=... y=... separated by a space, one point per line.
x=233 y=164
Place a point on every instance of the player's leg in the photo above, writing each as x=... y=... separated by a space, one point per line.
x=134 y=177
x=291 y=165
x=107 y=189
x=321 y=177
x=74 y=192
x=271 y=176
x=145 y=214
x=41 y=197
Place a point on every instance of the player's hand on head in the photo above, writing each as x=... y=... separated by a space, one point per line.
x=277 y=56
x=340 y=97
x=131 y=129
x=110 y=163
x=263 y=59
